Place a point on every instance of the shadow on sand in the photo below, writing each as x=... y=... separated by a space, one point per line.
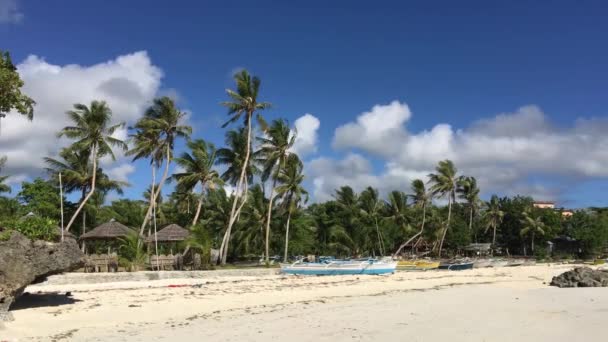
x=39 y=300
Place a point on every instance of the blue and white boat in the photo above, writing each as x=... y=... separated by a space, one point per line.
x=340 y=267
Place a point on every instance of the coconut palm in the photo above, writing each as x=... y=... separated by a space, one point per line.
x=232 y=156
x=198 y=170
x=532 y=226
x=273 y=154
x=249 y=238
x=291 y=191
x=76 y=175
x=93 y=132
x=469 y=192
x=243 y=103
x=444 y=184
x=493 y=216
x=3 y=187
x=370 y=208
x=162 y=125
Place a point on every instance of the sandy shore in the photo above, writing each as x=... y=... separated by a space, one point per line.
x=503 y=304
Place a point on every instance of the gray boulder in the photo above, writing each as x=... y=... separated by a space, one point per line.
x=581 y=277
x=24 y=262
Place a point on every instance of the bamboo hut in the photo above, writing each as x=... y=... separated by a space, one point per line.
x=106 y=232
x=170 y=235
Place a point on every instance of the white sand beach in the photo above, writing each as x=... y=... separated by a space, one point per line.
x=503 y=304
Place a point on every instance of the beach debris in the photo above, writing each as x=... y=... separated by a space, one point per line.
x=23 y=262
x=581 y=277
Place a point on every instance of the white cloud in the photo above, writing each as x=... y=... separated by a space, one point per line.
x=373 y=129
x=511 y=153
x=121 y=172
x=306 y=141
x=128 y=83
x=9 y=12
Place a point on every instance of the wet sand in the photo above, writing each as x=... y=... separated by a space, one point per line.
x=502 y=304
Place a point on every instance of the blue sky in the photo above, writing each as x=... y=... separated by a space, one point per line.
x=449 y=62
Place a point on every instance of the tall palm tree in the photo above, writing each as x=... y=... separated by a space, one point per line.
x=444 y=184
x=469 y=192
x=291 y=192
x=371 y=206
x=243 y=102
x=273 y=154
x=493 y=216
x=249 y=239
x=93 y=132
x=3 y=187
x=532 y=226
x=163 y=121
x=198 y=170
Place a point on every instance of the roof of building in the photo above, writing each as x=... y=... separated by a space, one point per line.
x=108 y=230
x=172 y=232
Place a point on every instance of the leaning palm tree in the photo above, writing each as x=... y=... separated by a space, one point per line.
x=93 y=132
x=198 y=170
x=162 y=124
x=469 y=192
x=273 y=154
x=232 y=157
x=244 y=102
x=3 y=187
x=444 y=184
x=493 y=216
x=532 y=227
x=291 y=192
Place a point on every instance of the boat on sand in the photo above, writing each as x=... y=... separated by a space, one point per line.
x=417 y=265
x=456 y=265
x=340 y=267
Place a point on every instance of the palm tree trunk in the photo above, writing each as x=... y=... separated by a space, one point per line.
x=471 y=219
x=494 y=234
x=532 y=245
x=84 y=201
x=287 y=235
x=447 y=225
x=234 y=212
x=416 y=235
x=199 y=206
x=156 y=193
x=84 y=228
x=269 y=217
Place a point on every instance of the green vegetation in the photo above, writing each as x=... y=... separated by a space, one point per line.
x=11 y=96
x=267 y=213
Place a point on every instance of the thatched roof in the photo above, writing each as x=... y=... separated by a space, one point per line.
x=108 y=230
x=172 y=232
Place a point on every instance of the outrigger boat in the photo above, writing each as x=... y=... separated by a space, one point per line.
x=417 y=265
x=340 y=267
x=456 y=266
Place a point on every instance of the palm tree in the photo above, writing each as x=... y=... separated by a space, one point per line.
x=198 y=170
x=291 y=192
x=161 y=125
x=444 y=184
x=250 y=237
x=232 y=156
x=273 y=154
x=469 y=192
x=532 y=226
x=77 y=176
x=93 y=132
x=244 y=102
x=3 y=187
x=371 y=205
x=493 y=216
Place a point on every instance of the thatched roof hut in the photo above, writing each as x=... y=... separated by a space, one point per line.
x=107 y=231
x=171 y=233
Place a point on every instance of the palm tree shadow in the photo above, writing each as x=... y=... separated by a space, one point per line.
x=39 y=300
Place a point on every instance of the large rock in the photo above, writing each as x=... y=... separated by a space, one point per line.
x=581 y=277
x=23 y=262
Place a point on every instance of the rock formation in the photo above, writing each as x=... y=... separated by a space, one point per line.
x=23 y=262
x=581 y=277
